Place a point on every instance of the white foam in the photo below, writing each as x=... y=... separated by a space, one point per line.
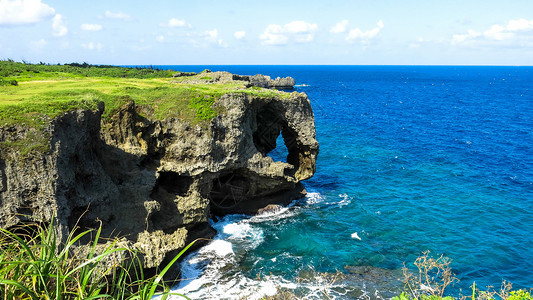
x=355 y=236
x=314 y=198
x=211 y=285
x=220 y=248
x=278 y=214
x=237 y=229
x=212 y=272
x=345 y=200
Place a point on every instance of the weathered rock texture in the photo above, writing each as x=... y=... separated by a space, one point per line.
x=257 y=80
x=156 y=183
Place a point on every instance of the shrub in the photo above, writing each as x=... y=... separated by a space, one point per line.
x=34 y=266
x=435 y=275
x=4 y=82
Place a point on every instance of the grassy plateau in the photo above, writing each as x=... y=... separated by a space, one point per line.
x=33 y=94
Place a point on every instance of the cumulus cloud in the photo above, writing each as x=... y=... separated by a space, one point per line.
x=93 y=46
x=118 y=16
x=239 y=35
x=274 y=35
x=516 y=31
x=340 y=27
x=91 y=27
x=364 y=37
x=172 y=23
x=23 y=12
x=59 y=26
x=520 y=25
x=212 y=37
x=297 y=31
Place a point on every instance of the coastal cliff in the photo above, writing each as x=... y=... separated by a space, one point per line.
x=155 y=182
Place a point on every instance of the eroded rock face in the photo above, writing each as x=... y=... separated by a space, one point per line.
x=156 y=183
x=257 y=80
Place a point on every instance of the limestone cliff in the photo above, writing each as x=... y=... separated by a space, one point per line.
x=155 y=183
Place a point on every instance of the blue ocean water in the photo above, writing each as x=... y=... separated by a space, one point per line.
x=412 y=158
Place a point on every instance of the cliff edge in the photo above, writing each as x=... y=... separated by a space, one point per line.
x=153 y=182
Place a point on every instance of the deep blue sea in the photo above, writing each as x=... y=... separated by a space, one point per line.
x=412 y=158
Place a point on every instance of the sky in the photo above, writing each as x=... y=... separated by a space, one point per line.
x=344 y=32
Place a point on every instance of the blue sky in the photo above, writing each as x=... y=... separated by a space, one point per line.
x=360 y=32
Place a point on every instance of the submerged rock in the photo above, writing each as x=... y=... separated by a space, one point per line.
x=155 y=182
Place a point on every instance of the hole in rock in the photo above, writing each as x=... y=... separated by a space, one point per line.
x=273 y=137
x=280 y=153
x=229 y=189
x=174 y=183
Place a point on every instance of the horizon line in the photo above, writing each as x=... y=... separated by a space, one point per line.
x=354 y=65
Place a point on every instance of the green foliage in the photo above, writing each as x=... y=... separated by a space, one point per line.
x=520 y=295
x=9 y=68
x=33 y=265
x=505 y=292
x=406 y=296
x=4 y=82
x=202 y=106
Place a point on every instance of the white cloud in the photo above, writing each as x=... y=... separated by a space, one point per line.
x=93 y=46
x=364 y=37
x=172 y=23
x=516 y=32
x=91 y=27
x=298 y=31
x=497 y=32
x=118 y=16
x=211 y=34
x=58 y=25
x=23 y=12
x=160 y=38
x=212 y=37
x=340 y=27
x=520 y=25
x=457 y=38
x=239 y=35
x=274 y=35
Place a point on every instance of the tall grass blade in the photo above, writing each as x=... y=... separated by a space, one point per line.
x=19 y=286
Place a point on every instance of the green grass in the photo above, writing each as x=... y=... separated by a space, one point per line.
x=33 y=265
x=25 y=71
x=44 y=92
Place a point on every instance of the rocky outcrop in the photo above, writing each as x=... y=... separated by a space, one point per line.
x=266 y=82
x=257 y=80
x=155 y=183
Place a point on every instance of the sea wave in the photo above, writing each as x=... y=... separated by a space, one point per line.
x=213 y=271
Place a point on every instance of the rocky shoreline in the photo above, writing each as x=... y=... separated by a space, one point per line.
x=152 y=183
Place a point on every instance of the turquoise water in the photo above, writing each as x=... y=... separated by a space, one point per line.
x=412 y=158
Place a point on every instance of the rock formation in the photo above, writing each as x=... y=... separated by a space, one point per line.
x=155 y=183
x=257 y=80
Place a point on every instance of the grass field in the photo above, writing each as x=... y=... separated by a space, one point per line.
x=32 y=95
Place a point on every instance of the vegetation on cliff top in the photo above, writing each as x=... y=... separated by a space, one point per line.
x=33 y=94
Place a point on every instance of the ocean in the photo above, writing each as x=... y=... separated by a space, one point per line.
x=412 y=158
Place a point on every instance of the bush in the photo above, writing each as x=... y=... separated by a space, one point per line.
x=435 y=275
x=8 y=82
x=34 y=266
